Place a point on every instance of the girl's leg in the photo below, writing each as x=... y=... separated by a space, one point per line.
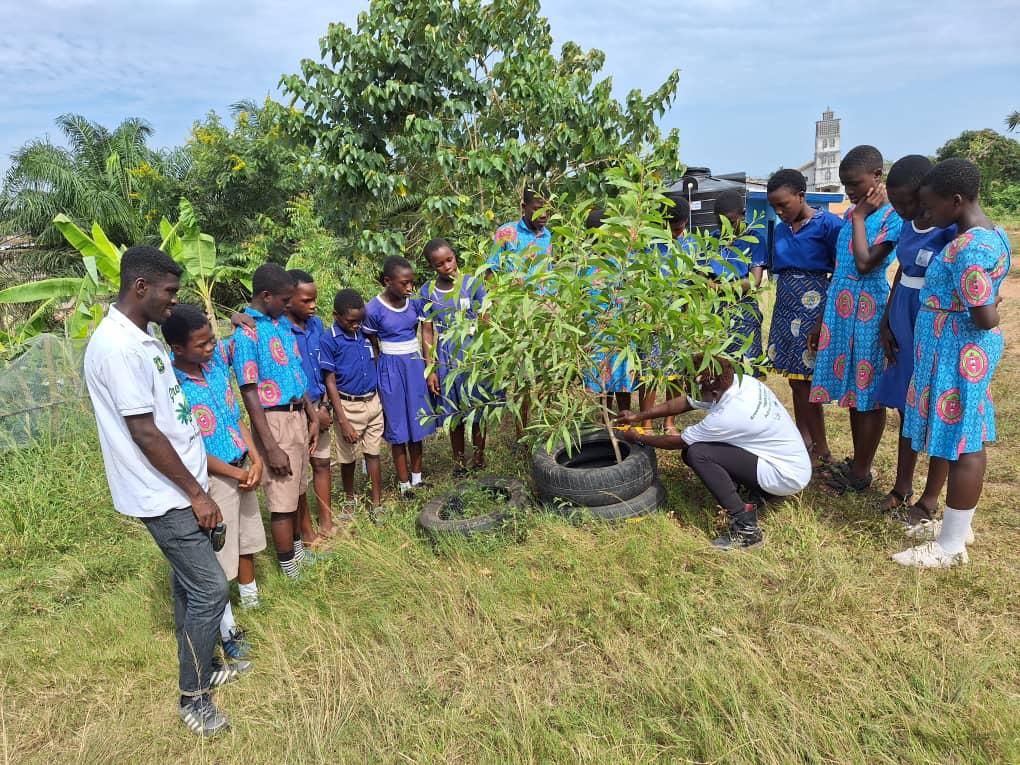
x=457 y=444
x=414 y=448
x=722 y=468
x=966 y=478
x=399 y=452
x=478 y=440
x=322 y=484
x=906 y=462
x=374 y=465
x=799 y=390
x=866 y=429
x=646 y=400
x=622 y=401
x=245 y=569
x=926 y=507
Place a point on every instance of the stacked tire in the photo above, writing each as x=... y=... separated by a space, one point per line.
x=588 y=482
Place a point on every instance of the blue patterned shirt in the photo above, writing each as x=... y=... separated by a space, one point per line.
x=268 y=356
x=513 y=239
x=214 y=407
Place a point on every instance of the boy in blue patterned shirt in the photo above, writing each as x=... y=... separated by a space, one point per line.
x=267 y=364
x=202 y=368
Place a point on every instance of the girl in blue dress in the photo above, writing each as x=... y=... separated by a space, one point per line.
x=804 y=255
x=742 y=260
x=391 y=325
x=849 y=357
x=958 y=345
x=443 y=297
x=919 y=242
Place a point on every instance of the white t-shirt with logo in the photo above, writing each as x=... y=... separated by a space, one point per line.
x=750 y=416
x=128 y=372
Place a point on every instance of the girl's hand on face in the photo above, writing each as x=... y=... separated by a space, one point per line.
x=873 y=200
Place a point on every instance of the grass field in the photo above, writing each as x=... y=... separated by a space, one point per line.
x=574 y=644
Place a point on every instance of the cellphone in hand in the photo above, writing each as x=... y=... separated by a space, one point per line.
x=218 y=536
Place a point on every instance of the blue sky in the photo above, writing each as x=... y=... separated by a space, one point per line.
x=904 y=75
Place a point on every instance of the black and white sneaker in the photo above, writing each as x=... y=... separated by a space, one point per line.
x=202 y=717
x=223 y=673
x=743 y=533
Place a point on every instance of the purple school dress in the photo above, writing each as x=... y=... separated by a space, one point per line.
x=440 y=307
x=402 y=389
x=914 y=250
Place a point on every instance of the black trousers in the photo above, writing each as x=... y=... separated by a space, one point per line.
x=724 y=469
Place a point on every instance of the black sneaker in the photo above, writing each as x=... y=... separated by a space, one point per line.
x=223 y=673
x=202 y=717
x=743 y=533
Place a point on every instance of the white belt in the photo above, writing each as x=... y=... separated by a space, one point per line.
x=402 y=348
x=912 y=282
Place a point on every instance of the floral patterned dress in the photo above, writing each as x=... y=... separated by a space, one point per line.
x=850 y=358
x=949 y=409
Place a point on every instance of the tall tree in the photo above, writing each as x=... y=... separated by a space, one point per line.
x=437 y=111
x=91 y=181
x=996 y=155
x=1013 y=121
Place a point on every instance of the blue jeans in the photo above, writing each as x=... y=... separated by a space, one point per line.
x=199 y=591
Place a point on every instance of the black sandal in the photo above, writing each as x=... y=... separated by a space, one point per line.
x=844 y=483
x=902 y=501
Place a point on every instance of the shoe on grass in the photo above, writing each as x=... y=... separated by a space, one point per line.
x=930 y=555
x=236 y=646
x=202 y=717
x=227 y=672
x=249 y=602
x=743 y=533
x=928 y=531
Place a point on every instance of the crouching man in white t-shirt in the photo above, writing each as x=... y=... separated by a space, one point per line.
x=746 y=440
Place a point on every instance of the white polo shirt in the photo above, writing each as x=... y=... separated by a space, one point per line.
x=750 y=416
x=128 y=372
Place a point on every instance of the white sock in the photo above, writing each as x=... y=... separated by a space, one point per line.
x=250 y=590
x=415 y=479
x=403 y=485
x=299 y=550
x=952 y=537
x=227 y=622
x=364 y=466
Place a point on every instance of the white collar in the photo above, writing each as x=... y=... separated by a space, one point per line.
x=407 y=304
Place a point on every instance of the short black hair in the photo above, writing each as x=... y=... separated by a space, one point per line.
x=432 y=246
x=954 y=176
x=347 y=300
x=729 y=201
x=530 y=195
x=595 y=217
x=787 y=178
x=184 y=319
x=271 y=278
x=301 y=277
x=863 y=158
x=908 y=172
x=681 y=209
x=146 y=262
x=391 y=266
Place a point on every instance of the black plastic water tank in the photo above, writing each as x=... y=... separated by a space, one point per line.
x=701 y=188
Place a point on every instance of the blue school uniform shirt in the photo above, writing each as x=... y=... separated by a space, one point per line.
x=308 y=340
x=515 y=238
x=812 y=248
x=268 y=356
x=915 y=249
x=214 y=407
x=351 y=358
x=737 y=255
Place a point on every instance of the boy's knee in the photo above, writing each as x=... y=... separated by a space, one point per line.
x=320 y=463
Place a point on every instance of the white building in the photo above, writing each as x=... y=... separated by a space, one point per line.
x=822 y=172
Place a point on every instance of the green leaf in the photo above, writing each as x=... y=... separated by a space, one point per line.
x=46 y=289
x=107 y=256
x=108 y=262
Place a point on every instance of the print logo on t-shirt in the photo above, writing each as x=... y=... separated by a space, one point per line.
x=159 y=364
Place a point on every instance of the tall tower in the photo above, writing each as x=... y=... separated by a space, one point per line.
x=827 y=153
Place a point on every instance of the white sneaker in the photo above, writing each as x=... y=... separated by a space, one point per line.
x=928 y=531
x=930 y=555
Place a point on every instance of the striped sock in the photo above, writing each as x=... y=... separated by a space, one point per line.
x=288 y=564
x=299 y=551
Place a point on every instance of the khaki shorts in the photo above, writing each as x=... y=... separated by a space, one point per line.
x=366 y=417
x=290 y=429
x=245 y=533
x=324 y=446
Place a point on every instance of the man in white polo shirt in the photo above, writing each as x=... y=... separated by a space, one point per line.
x=156 y=467
x=746 y=440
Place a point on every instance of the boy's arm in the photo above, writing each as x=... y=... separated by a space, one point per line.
x=162 y=456
x=347 y=431
x=428 y=338
x=677 y=405
x=886 y=338
x=255 y=471
x=225 y=469
x=313 y=421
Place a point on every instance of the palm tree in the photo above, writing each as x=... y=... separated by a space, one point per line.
x=1013 y=121
x=90 y=181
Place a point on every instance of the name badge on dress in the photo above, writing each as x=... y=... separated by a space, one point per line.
x=923 y=258
x=465 y=303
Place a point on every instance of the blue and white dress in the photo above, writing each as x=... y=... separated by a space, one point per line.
x=402 y=389
x=949 y=408
x=914 y=250
x=742 y=256
x=440 y=307
x=850 y=357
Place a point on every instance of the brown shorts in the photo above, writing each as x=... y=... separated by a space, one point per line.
x=366 y=417
x=290 y=429
x=324 y=447
x=245 y=533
